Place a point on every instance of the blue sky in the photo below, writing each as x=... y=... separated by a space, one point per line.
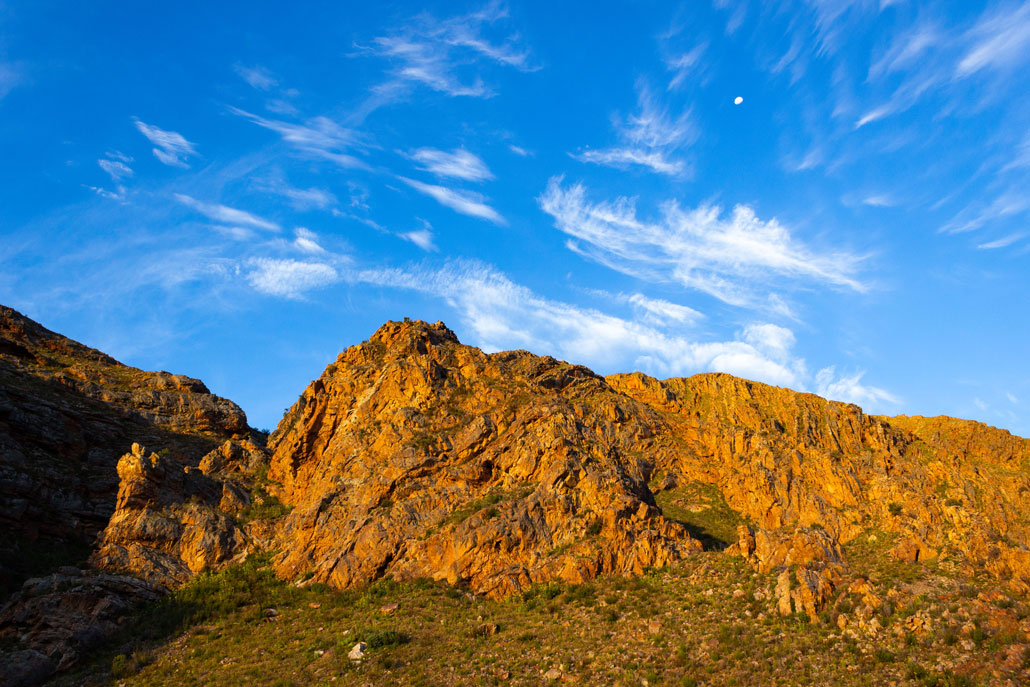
x=237 y=192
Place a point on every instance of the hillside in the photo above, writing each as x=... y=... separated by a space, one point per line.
x=414 y=461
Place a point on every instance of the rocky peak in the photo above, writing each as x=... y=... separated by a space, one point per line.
x=413 y=336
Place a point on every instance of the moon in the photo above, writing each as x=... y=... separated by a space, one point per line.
x=738 y=100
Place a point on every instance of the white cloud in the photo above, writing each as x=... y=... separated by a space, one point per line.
x=459 y=164
x=980 y=404
x=698 y=248
x=1011 y=397
x=431 y=52
x=115 y=169
x=850 y=389
x=881 y=200
x=110 y=195
x=307 y=241
x=465 y=202
x=774 y=340
x=1002 y=242
x=171 y=147
x=228 y=215
x=683 y=64
x=658 y=310
x=521 y=152
x=289 y=278
x=300 y=198
x=319 y=137
x=423 y=238
x=906 y=50
x=1001 y=41
x=625 y=157
x=1005 y=205
x=258 y=77
x=647 y=139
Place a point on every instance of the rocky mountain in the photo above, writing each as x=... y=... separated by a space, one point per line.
x=67 y=412
x=414 y=456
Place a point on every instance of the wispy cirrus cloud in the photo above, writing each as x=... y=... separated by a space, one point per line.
x=1000 y=40
x=1008 y=204
x=933 y=59
x=700 y=248
x=1003 y=242
x=423 y=238
x=116 y=169
x=258 y=77
x=465 y=202
x=659 y=310
x=170 y=147
x=289 y=278
x=647 y=139
x=300 y=198
x=684 y=64
x=226 y=214
x=319 y=137
x=458 y=164
x=306 y=241
x=438 y=53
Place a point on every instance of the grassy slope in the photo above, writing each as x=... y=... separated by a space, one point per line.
x=685 y=626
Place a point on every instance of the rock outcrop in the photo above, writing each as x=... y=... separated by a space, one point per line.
x=53 y=622
x=784 y=460
x=67 y=412
x=172 y=522
x=413 y=455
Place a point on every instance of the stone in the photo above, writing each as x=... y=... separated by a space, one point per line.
x=389 y=609
x=55 y=621
x=171 y=523
x=553 y=674
x=357 y=652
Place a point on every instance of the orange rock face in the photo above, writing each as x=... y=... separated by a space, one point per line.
x=170 y=522
x=415 y=456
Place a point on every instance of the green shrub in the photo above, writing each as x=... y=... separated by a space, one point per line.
x=378 y=640
x=895 y=508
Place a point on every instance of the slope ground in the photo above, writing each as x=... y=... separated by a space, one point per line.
x=702 y=622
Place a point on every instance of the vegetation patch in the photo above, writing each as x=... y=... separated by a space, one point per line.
x=703 y=510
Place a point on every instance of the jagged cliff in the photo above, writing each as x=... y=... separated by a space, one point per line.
x=67 y=412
